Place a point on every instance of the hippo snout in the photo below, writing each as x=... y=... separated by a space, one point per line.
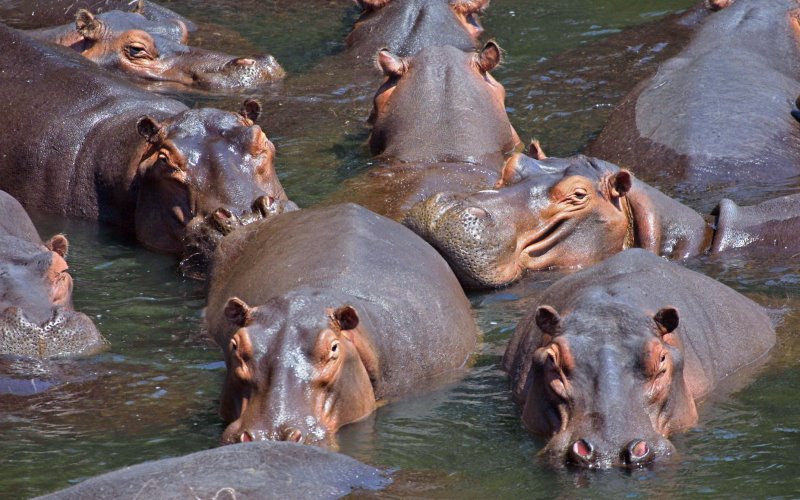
x=67 y=333
x=638 y=452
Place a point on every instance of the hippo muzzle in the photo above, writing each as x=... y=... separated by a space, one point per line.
x=67 y=333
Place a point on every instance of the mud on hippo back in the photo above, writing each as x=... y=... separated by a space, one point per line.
x=129 y=43
x=572 y=212
x=36 y=315
x=141 y=162
x=611 y=362
x=322 y=333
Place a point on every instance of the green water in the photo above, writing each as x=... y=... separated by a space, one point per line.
x=154 y=394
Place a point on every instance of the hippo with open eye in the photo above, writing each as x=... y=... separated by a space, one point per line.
x=572 y=212
x=100 y=148
x=324 y=313
x=36 y=316
x=613 y=359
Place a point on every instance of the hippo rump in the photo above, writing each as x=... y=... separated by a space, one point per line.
x=405 y=27
x=720 y=110
x=247 y=470
x=572 y=212
x=322 y=314
x=36 y=316
x=128 y=43
x=103 y=149
x=614 y=358
x=455 y=138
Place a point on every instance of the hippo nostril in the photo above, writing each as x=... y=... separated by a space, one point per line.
x=439 y=198
x=582 y=450
x=246 y=437
x=244 y=61
x=478 y=213
x=223 y=213
x=263 y=204
x=292 y=434
x=637 y=452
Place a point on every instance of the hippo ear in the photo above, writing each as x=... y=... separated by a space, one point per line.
x=621 y=183
x=346 y=317
x=371 y=4
x=516 y=169
x=139 y=8
x=58 y=244
x=667 y=320
x=150 y=129
x=489 y=56
x=535 y=150
x=238 y=312
x=251 y=109
x=390 y=64
x=87 y=25
x=548 y=320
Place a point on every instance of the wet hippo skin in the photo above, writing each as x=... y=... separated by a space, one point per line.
x=573 y=212
x=251 y=470
x=324 y=313
x=100 y=148
x=36 y=315
x=614 y=357
x=720 y=110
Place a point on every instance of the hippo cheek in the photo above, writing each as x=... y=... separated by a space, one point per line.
x=162 y=212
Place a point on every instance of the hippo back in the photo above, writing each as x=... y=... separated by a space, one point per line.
x=14 y=221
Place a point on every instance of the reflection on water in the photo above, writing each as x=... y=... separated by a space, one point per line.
x=154 y=394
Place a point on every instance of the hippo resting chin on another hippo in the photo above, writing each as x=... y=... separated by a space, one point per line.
x=612 y=361
x=81 y=142
x=128 y=43
x=249 y=470
x=573 y=212
x=718 y=111
x=36 y=316
x=322 y=313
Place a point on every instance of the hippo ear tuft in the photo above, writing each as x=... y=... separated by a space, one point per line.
x=149 y=128
x=536 y=151
x=251 y=109
x=621 y=183
x=390 y=64
x=667 y=320
x=238 y=312
x=548 y=320
x=346 y=317
x=87 y=25
x=58 y=244
x=489 y=56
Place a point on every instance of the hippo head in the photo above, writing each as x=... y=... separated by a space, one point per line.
x=196 y=162
x=447 y=96
x=407 y=26
x=135 y=49
x=542 y=214
x=298 y=370
x=36 y=316
x=605 y=384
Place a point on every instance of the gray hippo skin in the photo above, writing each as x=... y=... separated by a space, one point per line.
x=250 y=470
x=572 y=212
x=613 y=359
x=36 y=316
x=100 y=148
x=720 y=110
x=324 y=313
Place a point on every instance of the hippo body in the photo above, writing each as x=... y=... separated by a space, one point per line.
x=720 y=110
x=250 y=470
x=36 y=316
x=348 y=308
x=103 y=149
x=574 y=212
x=615 y=356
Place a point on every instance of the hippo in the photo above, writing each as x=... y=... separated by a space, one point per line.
x=404 y=27
x=128 y=43
x=672 y=129
x=614 y=358
x=466 y=135
x=320 y=335
x=572 y=212
x=271 y=470
x=103 y=149
x=37 y=319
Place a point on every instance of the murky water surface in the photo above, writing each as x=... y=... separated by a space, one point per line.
x=153 y=395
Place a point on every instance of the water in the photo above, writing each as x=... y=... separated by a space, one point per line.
x=154 y=394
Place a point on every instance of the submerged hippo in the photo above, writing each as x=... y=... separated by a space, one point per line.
x=718 y=111
x=573 y=212
x=128 y=43
x=404 y=27
x=455 y=138
x=103 y=149
x=615 y=356
x=323 y=313
x=36 y=315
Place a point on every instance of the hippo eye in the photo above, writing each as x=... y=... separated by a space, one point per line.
x=234 y=345
x=137 y=50
x=580 y=194
x=334 y=350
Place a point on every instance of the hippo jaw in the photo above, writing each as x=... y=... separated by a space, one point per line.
x=67 y=333
x=297 y=384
